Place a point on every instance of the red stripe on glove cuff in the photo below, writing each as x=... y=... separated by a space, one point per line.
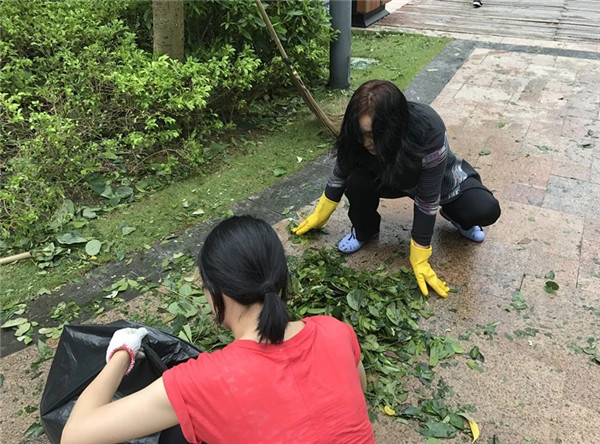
x=131 y=355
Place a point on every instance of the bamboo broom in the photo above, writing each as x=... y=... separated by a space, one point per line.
x=332 y=126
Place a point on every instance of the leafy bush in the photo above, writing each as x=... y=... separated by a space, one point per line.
x=85 y=107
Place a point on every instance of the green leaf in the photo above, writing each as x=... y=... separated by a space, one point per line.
x=355 y=299
x=551 y=287
x=35 y=430
x=22 y=329
x=88 y=213
x=108 y=192
x=182 y=308
x=120 y=285
x=529 y=331
x=454 y=345
x=127 y=230
x=51 y=332
x=185 y=290
x=501 y=124
x=13 y=323
x=412 y=411
x=474 y=366
x=518 y=301
x=92 y=248
x=1 y=380
x=124 y=192
x=73 y=237
x=44 y=349
x=476 y=354
x=550 y=275
x=278 y=172
x=484 y=152
x=436 y=429
x=185 y=333
x=97 y=183
x=62 y=215
x=435 y=352
x=393 y=313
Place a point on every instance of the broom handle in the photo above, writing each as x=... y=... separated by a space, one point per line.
x=14 y=258
x=304 y=92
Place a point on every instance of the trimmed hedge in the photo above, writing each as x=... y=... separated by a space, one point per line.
x=83 y=101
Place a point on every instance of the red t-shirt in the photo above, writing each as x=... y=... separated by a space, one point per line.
x=305 y=390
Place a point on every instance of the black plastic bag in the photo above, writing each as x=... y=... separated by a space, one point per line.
x=81 y=355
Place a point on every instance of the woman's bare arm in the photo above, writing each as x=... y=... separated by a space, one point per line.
x=97 y=420
x=363 y=376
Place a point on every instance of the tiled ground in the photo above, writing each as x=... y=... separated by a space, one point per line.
x=537 y=115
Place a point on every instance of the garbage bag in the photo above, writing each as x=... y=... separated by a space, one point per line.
x=80 y=356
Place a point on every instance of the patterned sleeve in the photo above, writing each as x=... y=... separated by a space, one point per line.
x=427 y=195
x=336 y=184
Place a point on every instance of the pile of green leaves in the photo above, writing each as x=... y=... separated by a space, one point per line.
x=88 y=114
x=183 y=310
x=384 y=309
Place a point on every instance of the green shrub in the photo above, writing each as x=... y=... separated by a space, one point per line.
x=85 y=108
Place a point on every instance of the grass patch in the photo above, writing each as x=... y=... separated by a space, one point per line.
x=400 y=56
x=247 y=171
x=241 y=172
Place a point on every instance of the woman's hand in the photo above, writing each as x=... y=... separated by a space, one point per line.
x=419 y=259
x=321 y=215
x=128 y=339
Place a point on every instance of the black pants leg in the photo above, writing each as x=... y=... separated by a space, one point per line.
x=476 y=205
x=363 y=194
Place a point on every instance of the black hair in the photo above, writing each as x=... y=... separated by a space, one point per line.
x=392 y=125
x=243 y=258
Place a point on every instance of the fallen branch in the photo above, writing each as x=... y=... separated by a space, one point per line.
x=14 y=258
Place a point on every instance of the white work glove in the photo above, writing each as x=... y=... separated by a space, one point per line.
x=129 y=339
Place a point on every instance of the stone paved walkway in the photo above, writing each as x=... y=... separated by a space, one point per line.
x=561 y=21
x=530 y=124
x=526 y=113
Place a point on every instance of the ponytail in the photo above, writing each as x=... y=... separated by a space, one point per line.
x=243 y=258
x=273 y=317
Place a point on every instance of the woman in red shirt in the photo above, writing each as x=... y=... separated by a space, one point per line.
x=279 y=381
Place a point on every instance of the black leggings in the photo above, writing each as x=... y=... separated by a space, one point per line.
x=476 y=205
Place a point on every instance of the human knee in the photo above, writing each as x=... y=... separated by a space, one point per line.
x=489 y=212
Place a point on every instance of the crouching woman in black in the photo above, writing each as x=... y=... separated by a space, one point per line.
x=389 y=147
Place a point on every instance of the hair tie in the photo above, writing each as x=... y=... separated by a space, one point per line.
x=266 y=289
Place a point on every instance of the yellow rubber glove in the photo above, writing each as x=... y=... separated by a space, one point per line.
x=321 y=215
x=419 y=259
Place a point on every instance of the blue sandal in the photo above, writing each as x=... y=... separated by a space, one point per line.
x=350 y=244
x=475 y=233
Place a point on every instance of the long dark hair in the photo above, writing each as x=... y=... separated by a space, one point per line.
x=243 y=258
x=392 y=124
